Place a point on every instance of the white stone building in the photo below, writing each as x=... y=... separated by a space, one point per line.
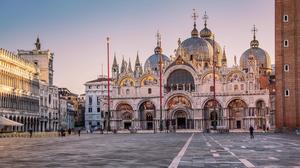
x=95 y=102
x=43 y=59
x=187 y=97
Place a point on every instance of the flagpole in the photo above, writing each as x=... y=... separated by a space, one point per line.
x=108 y=86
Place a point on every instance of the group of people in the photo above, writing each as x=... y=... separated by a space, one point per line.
x=62 y=132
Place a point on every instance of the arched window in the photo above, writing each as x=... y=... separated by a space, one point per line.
x=181 y=79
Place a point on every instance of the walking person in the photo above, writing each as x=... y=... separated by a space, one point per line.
x=30 y=133
x=251 y=129
x=79 y=132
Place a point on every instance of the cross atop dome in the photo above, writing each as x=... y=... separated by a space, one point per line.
x=158 y=38
x=205 y=18
x=254 y=42
x=194 y=16
x=254 y=30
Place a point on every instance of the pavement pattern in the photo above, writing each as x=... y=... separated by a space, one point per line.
x=153 y=150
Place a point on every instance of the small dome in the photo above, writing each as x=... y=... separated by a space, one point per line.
x=254 y=43
x=158 y=50
x=262 y=57
x=194 y=32
x=205 y=33
x=152 y=63
x=197 y=48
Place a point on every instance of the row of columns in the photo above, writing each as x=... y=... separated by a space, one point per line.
x=31 y=123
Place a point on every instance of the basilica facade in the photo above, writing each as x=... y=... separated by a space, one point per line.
x=199 y=90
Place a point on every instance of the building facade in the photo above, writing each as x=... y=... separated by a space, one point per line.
x=19 y=91
x=49 y=107
x=72 y=106
x=287 y=48
x=95 y=102
x=188 y=81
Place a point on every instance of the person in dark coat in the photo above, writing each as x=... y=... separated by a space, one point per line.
x=251 y=130
x=30 y=133
x=79 y=132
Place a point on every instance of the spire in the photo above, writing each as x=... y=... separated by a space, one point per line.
x=138 y=70
x=194 y=32
x=129 y=67
x=123 y=66
x=37 y=43
x=254 y=30
x=254 y=43
x=115 y=60
x=158 y=49
x=224 y=59
x=205 y=18
x=115 y=68
x=158 y=39
x=235 y=63
x=137 y=59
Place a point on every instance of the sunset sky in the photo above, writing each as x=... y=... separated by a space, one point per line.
x=76 y=30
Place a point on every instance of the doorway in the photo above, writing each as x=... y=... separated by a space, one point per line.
x=127 y=125
x=181 y=119
x=238 y=124
x=181 y=123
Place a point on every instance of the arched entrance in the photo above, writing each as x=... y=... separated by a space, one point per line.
x=125 y=114
x=179 y=113
x=261 y=112
x=149 y=121
x=127 y=118
x=146 y=115
x=181 y=117
x=212 y=114
x=236 y=109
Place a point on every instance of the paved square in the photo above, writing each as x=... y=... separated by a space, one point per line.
x=153 y=150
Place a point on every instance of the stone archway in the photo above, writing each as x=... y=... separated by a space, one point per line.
x=237 y=109
x=147 y=114
x=179 y=110
x=261 y=111
x=125 y=115
x=212 y=114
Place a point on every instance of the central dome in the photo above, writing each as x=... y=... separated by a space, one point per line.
x=197 y=48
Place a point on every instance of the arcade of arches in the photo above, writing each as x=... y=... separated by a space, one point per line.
x=179 y=114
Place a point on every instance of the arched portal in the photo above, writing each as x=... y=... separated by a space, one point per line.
x=125 y=113
x=179 y=109
x=260 y=114
x=146 y=115
x=237 y=109
x=212 y=114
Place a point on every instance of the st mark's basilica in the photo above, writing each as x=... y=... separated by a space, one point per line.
x=240 y=98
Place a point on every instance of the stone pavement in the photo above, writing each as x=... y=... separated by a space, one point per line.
x=153 y=150
x=238 y=150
